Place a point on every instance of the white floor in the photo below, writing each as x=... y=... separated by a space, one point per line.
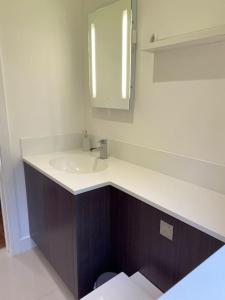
x=29 y=277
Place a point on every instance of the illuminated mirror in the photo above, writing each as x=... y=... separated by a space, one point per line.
x=112 y=41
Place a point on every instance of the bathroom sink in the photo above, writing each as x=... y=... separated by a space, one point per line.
x=79 y=163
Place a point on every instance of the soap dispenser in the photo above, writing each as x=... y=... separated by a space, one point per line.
x=86 y=141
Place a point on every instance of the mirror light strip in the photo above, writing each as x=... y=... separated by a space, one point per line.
x=124 y=53
x=93 y=61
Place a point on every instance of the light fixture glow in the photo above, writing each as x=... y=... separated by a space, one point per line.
x=124 y=53
x=93 y=61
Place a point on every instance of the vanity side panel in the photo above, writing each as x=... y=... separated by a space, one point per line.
x=93 y=237
x=138 y=246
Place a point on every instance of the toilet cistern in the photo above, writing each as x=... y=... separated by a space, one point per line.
x=103 y=149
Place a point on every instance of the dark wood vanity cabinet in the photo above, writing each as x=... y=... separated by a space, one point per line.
x=108 y=230
x=72 y=232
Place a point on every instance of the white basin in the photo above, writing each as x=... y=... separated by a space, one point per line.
x=79 y=163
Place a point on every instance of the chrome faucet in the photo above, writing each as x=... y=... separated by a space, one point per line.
x=103 y=149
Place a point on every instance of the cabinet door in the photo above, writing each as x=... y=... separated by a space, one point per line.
x=125 y=232
x=60 y=205
x=93 y=237
x=52 y=224
x=37 y=211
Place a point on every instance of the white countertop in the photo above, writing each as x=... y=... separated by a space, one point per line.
x=207 y=282
x=201 y=208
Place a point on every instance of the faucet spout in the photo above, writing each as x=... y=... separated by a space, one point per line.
x=95 y=149
x=103 y=149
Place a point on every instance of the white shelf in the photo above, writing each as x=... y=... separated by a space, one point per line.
x=206 y=36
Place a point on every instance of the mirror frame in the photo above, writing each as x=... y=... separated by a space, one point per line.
x=125 y=103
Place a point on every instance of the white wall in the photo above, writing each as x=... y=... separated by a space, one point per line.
x=179 y=106
x=42 y=57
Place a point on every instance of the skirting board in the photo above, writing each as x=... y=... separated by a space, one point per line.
x=23 y=245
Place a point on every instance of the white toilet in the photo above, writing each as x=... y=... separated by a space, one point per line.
x=122 y=287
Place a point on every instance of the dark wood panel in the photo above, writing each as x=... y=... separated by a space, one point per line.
x=125 y=229
x=37 y=209
x=60 y=205
x=51 y=218
x=93 y=237
x=138 y=246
